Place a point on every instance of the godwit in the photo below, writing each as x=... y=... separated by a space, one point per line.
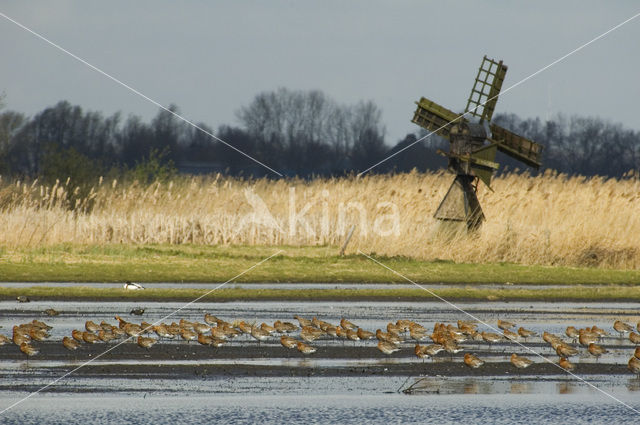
x=244 y=327
x=215 y=342
x=146 y=327
x=332 y=330
x=204 y=339
x=417 y=335
x=451 y=347
x=70 y=343
x=596 y=350
x=188 y=335
x=404 y=324
x=387 y=348
x=284 y=327
x=201 y=328
x=622 y=328
x=352 y=335
x=121 y=322
x=77 y=335
x=19 y=338
x=106 y=326
x=599 y=331
x=132 y=329
x=549 y=338
x=566 y=364
x=28 y=349
x=387 y=337
x=105 y=336
x=634 y=338
x=304 y=348
x=185 y=324
x=117 y=332
x=51 y=312
x=392 y=328
x=288 y=342
x=218 y=332
x=637 y=352
x=491 y=337
x=89 y=338
x=4 y=340
x=41 y=325
x=130 y=286
x=310 y=334
x=91 y=326
x=572 y=333
x=340 y=332
x=268 y=329
x=585 y=338
x=162 y=331
x=259 y=334
x=565 y=350
x=362 y=334
x=210 y=319
x=303 y=322
x=525 y=333
x=420 y=352
x=146 y=342
x=467 y=323
x=503 y=324
x=347 y=324
x=472 y=361
x=520 y=362
x=433 y=349
x=510 y=335
x=633 y=365
x=230 y=331
x=38 y=334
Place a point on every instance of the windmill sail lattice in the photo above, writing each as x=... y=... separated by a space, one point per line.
x=474 y=143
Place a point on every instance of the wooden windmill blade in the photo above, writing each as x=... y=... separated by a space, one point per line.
x=484 y=94
x=435 y=118
x=518 y=147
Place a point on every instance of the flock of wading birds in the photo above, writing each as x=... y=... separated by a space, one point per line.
x=217 y=332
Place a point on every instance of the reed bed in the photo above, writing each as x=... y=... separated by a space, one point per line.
x=550 y=219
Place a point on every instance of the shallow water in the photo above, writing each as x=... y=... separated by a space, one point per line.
x=366 y=399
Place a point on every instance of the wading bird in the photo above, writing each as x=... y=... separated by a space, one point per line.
x=566 y=364
x=472 y=361
x=129 y=286
x=520 y=362
x=622 y=328
x=387 y=348
x=503 y=324
x=304 y=348
x=596 y=350
x=70 y=343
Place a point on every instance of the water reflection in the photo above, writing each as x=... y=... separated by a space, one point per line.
x=566 y=387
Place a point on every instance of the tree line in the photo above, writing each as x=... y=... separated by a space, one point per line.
x=299 y=133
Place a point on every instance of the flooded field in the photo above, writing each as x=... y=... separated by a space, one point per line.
x=344 y=381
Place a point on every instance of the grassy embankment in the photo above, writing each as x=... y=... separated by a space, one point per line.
x=193 y=263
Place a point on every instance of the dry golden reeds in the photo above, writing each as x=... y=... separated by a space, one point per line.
x=548 y=219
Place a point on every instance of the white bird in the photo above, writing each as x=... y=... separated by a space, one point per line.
x=132 y=286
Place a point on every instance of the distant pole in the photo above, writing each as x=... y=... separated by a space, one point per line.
x=346 y=242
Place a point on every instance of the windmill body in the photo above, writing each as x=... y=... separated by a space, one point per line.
x=474 y=141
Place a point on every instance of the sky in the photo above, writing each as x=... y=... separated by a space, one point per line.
x=212 y=57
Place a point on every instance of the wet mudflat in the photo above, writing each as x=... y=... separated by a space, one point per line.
x=344 y=381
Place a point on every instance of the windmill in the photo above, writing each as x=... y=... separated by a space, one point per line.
x=474 y=141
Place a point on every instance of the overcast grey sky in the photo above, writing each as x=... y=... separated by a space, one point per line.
x=210 y=58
